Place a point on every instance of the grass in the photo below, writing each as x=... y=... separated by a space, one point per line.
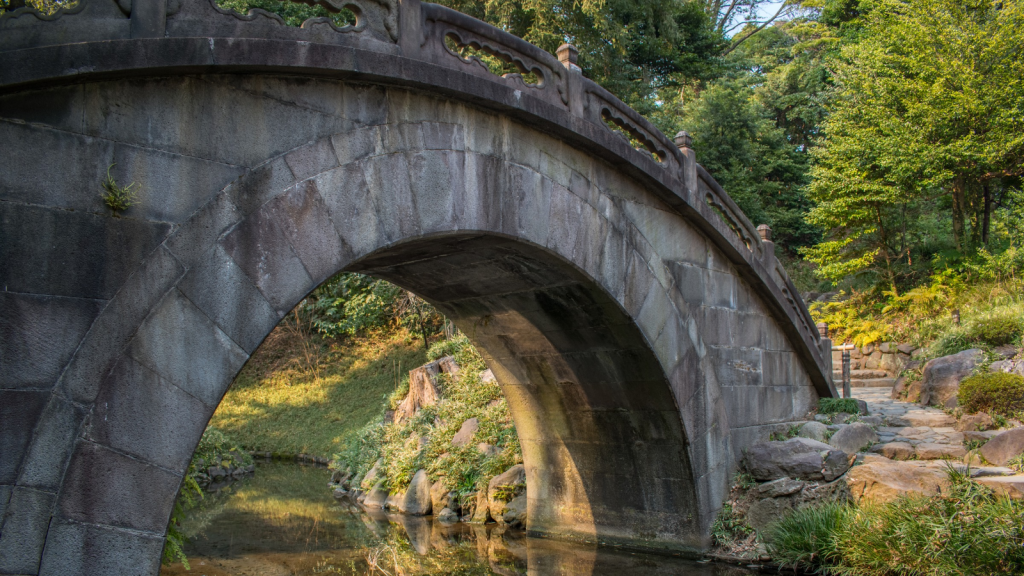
x=837 y=405
x=301 y=394
x=968 y=531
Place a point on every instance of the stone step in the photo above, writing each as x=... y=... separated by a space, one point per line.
x=869 y=383
x=861 y=374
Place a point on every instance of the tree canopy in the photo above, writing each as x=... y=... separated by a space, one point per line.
x=925 y=127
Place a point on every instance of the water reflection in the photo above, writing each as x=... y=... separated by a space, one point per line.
x=284 y=522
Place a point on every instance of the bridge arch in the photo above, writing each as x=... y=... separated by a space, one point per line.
x=642 y=333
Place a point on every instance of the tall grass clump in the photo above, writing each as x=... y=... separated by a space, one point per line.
x=967 y=531
x=836 y=405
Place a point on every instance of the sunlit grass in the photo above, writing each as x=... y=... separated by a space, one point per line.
x=286 y=402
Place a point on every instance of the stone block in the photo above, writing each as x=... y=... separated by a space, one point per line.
x=73 y=548
x=357 y=144
x=656 y=311
x=312 y=159
x=672 y=238
x=105 y=487
x=347 y=196
x=612 y=269
x=83 y=255
x=260 y=247
x=302 y=216
x=736 y=366
x=567 y=210
x=720 y=289
x=388 y=179
x=436 y=180
x=24 y=530
x=19 y=412
x=252 y=129
x=139 y=413
x=116 y=325
x=186 y=348
x=481 y=206
x=5 y=497
x=639 y=280
x=51 y=445
x=227 y=296
x=528 y=202
x=30 y=354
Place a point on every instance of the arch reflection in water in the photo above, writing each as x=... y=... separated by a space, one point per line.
x=283 y=521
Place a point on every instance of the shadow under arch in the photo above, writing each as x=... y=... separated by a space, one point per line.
x=603 y=445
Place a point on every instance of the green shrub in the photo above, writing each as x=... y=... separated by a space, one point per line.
x=996 y=393
x=808 y=535
x=1002 y=326
x=836 y=405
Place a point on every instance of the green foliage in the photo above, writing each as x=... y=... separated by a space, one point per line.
x=790 y=432
x=729 y=526
x=967 y=531
x=995 y=393
x=118 y=198
x=1016 y=463
x=293 y=13
x=923 y=134
x=837 y=405
x=807 y=535
x=47 y=7
x=424 y=441
x=1003 y=326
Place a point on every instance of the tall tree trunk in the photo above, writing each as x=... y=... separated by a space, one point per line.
x=959 y=212
x=988 y=212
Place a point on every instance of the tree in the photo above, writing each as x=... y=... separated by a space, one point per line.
x=927 y=120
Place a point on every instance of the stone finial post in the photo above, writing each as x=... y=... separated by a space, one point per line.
x=567 y=55
x=685 y=145
x=822 y=326
x=765 y=232
x=956 y=316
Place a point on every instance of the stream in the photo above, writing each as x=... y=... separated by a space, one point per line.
x=284 y=522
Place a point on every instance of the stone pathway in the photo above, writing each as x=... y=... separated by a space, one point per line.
x=908 y=430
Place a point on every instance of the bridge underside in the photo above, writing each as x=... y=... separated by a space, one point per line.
x=641 y=331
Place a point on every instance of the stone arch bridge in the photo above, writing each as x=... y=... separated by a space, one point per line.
x=643 y=332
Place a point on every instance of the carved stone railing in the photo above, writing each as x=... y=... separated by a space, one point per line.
x=441 y=24
x=200 y=36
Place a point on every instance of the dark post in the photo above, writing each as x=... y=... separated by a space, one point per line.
x=846 y=372
x=956 y=316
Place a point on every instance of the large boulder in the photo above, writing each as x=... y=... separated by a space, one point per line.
x=974 y=422
x=897 y=451
x=440 y=497
x=800 y=458
x=930 y=451
x=941 y=378
x=814 y=431
x=1000 y=449
x=368 y=481
x=853 y=438
x=882 y=481
x=377 y=497
x=503 y=488
x=466 y=431
x=514 y=513
x=417 y=499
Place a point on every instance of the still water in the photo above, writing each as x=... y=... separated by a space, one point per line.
x=284 y=522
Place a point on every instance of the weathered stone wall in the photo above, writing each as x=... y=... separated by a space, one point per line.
x=642 y=341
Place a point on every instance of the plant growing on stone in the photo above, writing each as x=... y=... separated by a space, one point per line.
x=118 y=198
x=729 y=527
